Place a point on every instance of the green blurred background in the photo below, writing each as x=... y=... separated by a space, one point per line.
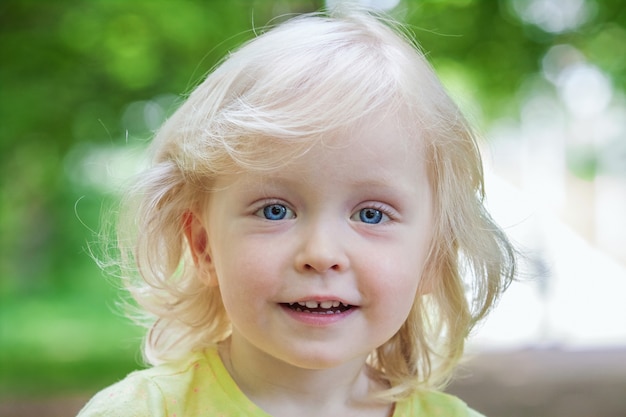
x=84 y=83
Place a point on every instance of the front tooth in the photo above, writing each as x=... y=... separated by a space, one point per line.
x=326 y=304
x=336 y=304
x=312 y=304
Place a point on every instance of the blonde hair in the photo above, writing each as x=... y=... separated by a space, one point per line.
x=268 y=102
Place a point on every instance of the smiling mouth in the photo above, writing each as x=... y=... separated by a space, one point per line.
x=315 y=307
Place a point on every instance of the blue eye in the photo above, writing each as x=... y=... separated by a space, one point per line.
x=275 y=212
x=371 y=215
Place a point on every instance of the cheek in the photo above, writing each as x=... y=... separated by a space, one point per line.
x=402 y=291
x=395 y=278
x=245 y=272
x=241 y=295
x=393 y=296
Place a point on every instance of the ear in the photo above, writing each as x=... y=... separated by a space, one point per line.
x=198 y=240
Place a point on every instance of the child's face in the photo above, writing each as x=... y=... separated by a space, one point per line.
x=319 y=261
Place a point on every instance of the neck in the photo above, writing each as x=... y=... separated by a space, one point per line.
x=281 y=389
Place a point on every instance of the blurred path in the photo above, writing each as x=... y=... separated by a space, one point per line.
x=546 y=383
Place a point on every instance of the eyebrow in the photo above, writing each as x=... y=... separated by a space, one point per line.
x=375 y=183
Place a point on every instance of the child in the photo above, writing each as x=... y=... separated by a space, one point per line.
x=310 y=238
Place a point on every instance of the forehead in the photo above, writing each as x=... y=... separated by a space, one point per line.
x=380 y=150
x=374 y=141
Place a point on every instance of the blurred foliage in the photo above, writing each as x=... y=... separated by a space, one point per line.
x=82 y=75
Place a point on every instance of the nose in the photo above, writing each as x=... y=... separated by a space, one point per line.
x=322 y=249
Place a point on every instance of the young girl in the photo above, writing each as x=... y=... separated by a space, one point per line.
x=310 y=238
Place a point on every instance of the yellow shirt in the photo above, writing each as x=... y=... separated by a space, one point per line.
x=200 y=385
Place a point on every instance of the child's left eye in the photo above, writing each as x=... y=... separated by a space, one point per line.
x=370 y=215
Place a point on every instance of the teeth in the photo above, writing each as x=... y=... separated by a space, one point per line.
x=314 y=304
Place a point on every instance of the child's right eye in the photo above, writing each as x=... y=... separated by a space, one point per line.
x=275 y=211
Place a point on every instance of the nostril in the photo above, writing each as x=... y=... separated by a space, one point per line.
x=309 y=267
x=320 y=258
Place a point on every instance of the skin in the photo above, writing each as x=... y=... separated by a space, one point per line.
x=350 y=222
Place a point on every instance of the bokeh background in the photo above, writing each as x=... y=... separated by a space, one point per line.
x=84 y=84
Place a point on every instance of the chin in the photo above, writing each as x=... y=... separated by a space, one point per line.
x=316 y=361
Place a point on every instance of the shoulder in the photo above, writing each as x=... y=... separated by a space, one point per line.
x=149 y=392
x=434 y=404
x=136 y=395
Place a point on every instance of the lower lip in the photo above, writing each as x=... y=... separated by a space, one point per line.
x=318 y=320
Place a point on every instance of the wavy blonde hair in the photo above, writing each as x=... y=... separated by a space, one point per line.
x=267 y=103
